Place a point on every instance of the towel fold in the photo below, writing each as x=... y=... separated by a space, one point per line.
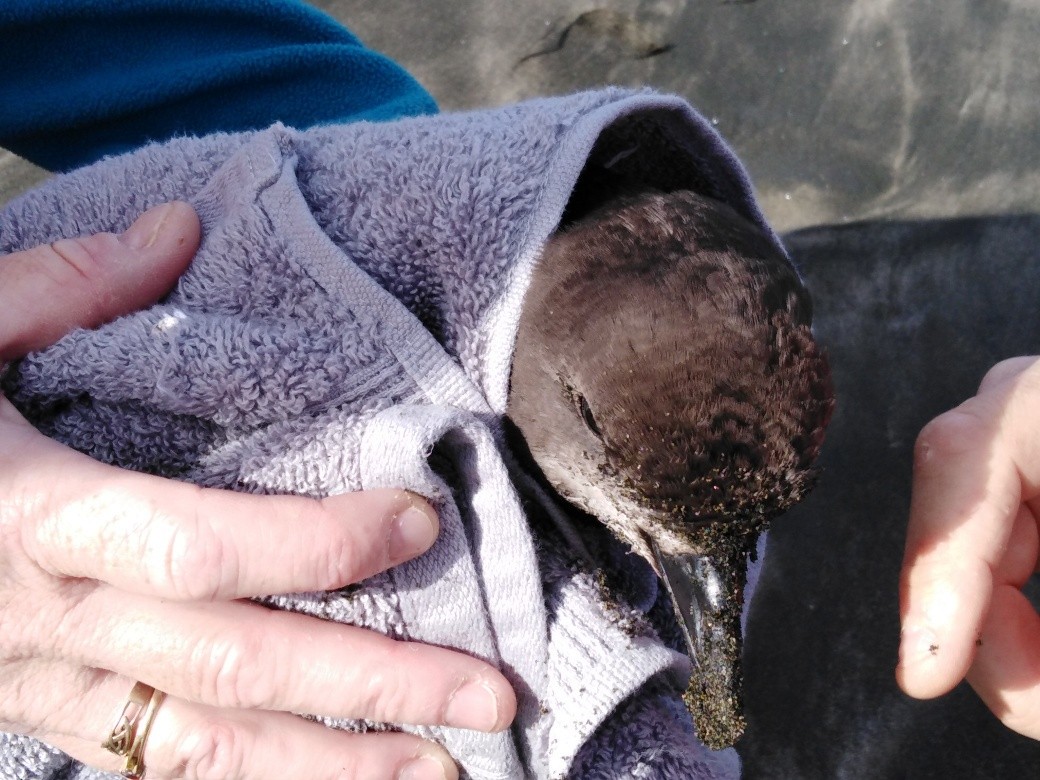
x=348 y=324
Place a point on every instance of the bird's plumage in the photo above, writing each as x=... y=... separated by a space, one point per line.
x=666 y=381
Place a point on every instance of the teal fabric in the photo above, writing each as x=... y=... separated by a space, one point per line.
x=83 y=79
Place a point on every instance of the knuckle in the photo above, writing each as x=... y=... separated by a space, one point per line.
x=341 y=561
x=1008 y=369
x=239 y=670
x=196 y=563
x=342 y=555
x=211 y=750
x=49 y=288
x=82 y=257
x=35 y=521
x=950 y=434
x=51 y=521
x=385 y=694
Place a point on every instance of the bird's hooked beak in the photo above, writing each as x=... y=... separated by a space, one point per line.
x=707 y=592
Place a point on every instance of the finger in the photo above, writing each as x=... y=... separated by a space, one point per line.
x=170 y=539
x=241 y=655
x=273 y=746
x=964 y=488
x=83 y=282
x=193 y=740
x=974 y=469
x=1006 y=671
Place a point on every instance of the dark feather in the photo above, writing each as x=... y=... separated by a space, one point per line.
x=665 y=377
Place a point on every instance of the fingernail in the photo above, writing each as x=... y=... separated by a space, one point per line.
x=917 y=645
x=474 y=705
x=423 y=768
x=412 y=532
x=146 y=228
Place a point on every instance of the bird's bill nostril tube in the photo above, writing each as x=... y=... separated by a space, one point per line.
x=707 y=592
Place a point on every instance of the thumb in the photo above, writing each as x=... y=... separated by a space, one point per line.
x=84 y=282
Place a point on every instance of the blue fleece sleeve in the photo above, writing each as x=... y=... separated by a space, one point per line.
x=82 y=79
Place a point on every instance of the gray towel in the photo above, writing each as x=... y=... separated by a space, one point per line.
x=347 y=324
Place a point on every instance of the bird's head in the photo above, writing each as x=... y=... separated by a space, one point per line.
x=666 y=381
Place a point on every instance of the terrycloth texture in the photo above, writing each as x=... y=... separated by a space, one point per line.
x=348 y=323
x=88 y=78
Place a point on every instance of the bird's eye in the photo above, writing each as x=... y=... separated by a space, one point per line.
x=587 y=416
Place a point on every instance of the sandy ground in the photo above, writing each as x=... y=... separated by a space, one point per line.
x=899 y=143
x=841 y=110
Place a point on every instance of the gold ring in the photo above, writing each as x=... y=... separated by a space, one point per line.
x=130 y=733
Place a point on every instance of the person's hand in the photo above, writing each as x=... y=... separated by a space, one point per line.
x=108 y=577
x=971 y=545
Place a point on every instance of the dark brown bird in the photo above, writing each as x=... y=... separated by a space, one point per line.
x=666 y=381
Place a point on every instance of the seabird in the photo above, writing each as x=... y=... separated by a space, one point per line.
x=666 y=381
